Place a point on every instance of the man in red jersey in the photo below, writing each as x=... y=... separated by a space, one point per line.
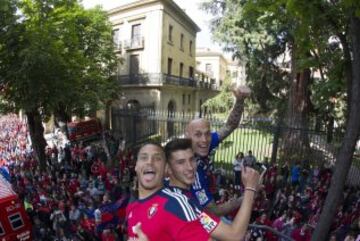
x=164 y=215
x=182 y=172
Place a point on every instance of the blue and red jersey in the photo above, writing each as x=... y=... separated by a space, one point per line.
x=167 y=215
x=200 y=210
x=204 y=183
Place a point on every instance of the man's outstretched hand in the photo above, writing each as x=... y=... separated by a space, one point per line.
x=140 y=234
x=240 y=92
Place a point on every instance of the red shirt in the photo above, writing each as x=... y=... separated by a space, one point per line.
x=95 y=168
x=73 y=185
x=107 y=237
x=168 y=216
x=87 y=224
x=297 y=235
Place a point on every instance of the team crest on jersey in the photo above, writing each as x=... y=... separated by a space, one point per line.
x=152 y=210
x=201 y=196
x=130 y=215
x=207 y=222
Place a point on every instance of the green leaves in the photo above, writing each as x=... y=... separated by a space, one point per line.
x=265 y=32
x=223 y=101
x=56 y=54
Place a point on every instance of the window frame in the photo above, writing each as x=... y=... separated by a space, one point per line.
x=116 y=37
x=181 y=69
x=182 y=37
x=190 y=47
x=20 y=218
x=170 y=66
x=170 y=37
x=135 y=34
x=191 y=72
x=133 y=67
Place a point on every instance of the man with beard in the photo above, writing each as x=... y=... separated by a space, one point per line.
x=163 y=214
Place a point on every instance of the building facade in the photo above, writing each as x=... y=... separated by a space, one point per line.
x=156 y=40
x=236 y=71
x=215 y=65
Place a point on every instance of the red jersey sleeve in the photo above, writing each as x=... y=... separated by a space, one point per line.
x=189 y=222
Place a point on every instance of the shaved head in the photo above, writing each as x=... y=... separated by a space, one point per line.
x=194 y=123
x=198 y=130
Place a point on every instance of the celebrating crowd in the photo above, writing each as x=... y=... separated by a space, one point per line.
x=291 y=203
x=65 y=201
x=168 y=193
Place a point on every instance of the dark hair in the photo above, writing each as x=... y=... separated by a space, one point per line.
x=240 y=154
x=145 y=144
x=176 y=145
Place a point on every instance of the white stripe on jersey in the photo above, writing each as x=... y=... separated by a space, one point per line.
x=197 y=184
x=195 y=208
x=188 y=205
x=182 y=200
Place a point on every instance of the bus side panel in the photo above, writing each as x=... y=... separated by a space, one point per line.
x=13 y=210
x=84 y=129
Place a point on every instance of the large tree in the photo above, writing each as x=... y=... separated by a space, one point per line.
x=341 y=21
x=270 y=45
x=324 y=36
x=58 y=58
x=345 y=155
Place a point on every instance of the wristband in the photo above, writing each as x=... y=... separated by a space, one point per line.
x=250 y=189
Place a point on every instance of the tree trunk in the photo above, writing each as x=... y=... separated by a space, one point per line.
x=36 y=130
x=107 y=115
x=61 y=119
x=348 y=72
x=296 y=142
x=345 y=155
x=330 y=129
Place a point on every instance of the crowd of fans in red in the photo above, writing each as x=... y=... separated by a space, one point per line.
x=65 y=201
x=291 y=203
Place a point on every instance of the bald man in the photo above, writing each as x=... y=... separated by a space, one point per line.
x=203 y=142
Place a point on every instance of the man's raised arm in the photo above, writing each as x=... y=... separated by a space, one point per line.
x=233 y=120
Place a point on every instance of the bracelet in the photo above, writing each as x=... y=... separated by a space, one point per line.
x=250 y=189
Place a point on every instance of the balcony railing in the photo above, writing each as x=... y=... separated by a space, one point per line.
x=203 y=84
x=161 y=79
x=134 y=43
x=206 y=85
x=176 y=80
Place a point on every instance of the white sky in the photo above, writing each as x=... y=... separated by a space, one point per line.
x=200 y=17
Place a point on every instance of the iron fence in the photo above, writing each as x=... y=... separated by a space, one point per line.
x=268 y=141
x=162 y=79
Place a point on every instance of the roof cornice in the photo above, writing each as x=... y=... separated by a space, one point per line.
x=166 y=3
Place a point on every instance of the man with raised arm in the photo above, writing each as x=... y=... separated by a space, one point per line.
x=203 y=142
